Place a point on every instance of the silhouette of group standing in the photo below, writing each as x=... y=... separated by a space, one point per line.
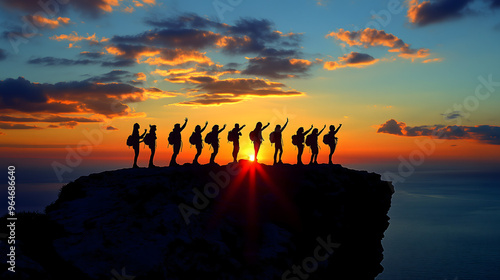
x=212 y=138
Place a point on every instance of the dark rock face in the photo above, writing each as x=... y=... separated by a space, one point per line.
x=244 y=221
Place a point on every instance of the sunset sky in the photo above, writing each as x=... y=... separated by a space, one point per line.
x=76 y=75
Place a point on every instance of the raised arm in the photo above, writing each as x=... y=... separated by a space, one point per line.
x=283 y=128
x=242 y=127
x=142 y=136
x=184 y=125
x=265 y=126
x=307 y=131
x=337 y=130
x=222 y=129
x=322 y=130
x=203 y=129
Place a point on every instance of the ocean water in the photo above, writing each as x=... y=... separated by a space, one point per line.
x=444 y=224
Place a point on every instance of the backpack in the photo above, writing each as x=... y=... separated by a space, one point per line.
x=296 y=140
x=231 y=136
x=309 y=140
x=272 y=137
x=329 y=139
x=148 y=139
x=130 y=141
x=171 y=138
x=253 y=136
x=193 y=139
x=209 y=138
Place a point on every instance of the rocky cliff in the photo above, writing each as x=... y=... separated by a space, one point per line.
x=242 y=221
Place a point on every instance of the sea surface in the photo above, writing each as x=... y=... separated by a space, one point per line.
x=443 y=224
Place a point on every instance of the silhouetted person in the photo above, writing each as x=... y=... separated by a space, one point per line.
x=151 y=142
x=136 y=139
x=278 y=141
x=298 y=140
x=314 y=145
x=256 y=137
x=214 y=141
x=196 y=140
x=175 y=139
x=234 y=136
x=331 y=140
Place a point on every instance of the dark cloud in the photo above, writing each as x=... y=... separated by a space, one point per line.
x=359 y=58
x=123 y=62
x=113 y=76
x=218 y=92
x=54 y=61
x=77 y=97
x=427 y=12
x=353 y=59
x=391 y=127
x=3 y=55
x=17 y=126
x=48 y=119
x=486 y=134
x=109 y=127
x=93 y=8
x=246 y=36
x=452 y=115
x=93 y=55
x=277 y=68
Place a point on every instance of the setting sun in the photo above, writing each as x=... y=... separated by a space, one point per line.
x=251 y=157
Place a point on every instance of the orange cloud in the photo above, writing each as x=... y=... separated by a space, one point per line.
x=107 y=5
x=414 y=8
x=46 y=22
x=74 y=37
x=149 y=2
x=192 y=75
x=129 y=9
x=432 y=60
x=173 y=57
x=371 y=37
x=141 y=76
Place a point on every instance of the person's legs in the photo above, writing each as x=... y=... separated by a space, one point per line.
x=216 y=151
x=198 y=153
x=299 y=155
x=236 y=150
x=136 y=155
x=177 y=148
x=256 y=146
x=153 y=149
x=275 y=153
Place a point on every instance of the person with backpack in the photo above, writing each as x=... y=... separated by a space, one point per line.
x=212 y=138
x=298 y=140
x=256 y=137
x=134 y=140
x=331 y=140
x=150 y=140
x=234 y=136
x=276 y=138
x=174 y=138
x=196 y=140
x=312 y=141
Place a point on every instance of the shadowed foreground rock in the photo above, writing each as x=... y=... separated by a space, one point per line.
x=245 y=221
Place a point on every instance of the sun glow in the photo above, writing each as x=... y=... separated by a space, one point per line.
x=251 y=157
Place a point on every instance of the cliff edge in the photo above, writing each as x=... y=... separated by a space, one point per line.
x=239 y=221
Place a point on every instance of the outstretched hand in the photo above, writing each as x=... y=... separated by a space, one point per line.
x=206 y=123
x=145 y=130
x=186 y=120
